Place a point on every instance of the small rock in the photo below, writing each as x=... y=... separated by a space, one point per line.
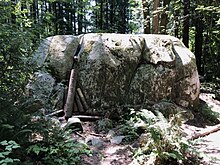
x=117 y=139
x=74 y=124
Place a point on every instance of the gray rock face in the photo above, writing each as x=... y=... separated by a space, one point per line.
x=40 y=87
x=56 y=54
x=117 y=69
x=121 y=69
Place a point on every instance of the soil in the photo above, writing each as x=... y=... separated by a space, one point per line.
x=104 y=152
x=209 y=145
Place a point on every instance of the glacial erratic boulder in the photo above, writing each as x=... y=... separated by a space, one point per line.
x=118 y=69
x=125 y=69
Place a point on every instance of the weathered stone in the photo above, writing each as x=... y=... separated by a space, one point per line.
x=56 y=54
x=107 y=66
x=57 y=96
x=117 y=69
x=61 y=52
x=73 y=123
x=40 y=87
x=123 y=69
x=39 y=57
x=170 y=109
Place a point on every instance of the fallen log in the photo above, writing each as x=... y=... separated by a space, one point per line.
x=68 y=108
x=86 y=117
x=56 y=113
x=82 y=98
x=207 y=132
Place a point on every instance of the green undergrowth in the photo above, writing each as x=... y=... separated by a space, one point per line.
x=47 y=144
x=160 y=140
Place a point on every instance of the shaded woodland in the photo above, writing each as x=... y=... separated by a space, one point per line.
x=23 y=25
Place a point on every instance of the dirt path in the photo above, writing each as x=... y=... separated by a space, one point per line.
x=108 y=152
x=210 y=144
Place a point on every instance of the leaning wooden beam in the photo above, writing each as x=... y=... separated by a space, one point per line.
x=207 y=132
x=82 y=98
x=79 y=104
x=75 y=109
x=68 y=108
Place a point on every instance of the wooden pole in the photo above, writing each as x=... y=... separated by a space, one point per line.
x=82 y=98
x=79 y=104
x=68 y=108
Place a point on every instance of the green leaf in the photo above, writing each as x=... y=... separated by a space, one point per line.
x=4 y=143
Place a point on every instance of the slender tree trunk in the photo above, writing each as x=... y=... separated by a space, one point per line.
x=198 y=44
x=73 y=17
x=61 y=23
x=80 y=17
x=13 y=16
x=176 y=27
x=55 y=20
x=186 y=10
x=111 y=15
x=155 y=21
x=106 y=15
x=68 y=18
x=146 y=14
x=164 y=17
x=101 y=16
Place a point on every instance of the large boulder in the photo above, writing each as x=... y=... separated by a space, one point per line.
x=40 y=87
x=53 y=60
x=116 y=70
x=124 y=69
x=56 y=54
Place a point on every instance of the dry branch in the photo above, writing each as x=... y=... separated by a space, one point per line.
x=206 y=133
x=55 y=113
x=86 y=117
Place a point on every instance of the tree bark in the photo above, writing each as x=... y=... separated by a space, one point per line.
x=101 y=16
x=155 y=21
x=146 y=14
x=186 y=10
x=13 y=16
x=198 y=44
x=164 y=17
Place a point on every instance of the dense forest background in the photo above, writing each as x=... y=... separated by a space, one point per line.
x=196 y=22
x=23 y=23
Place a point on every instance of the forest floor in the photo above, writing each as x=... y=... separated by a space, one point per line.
x=203 y=123
x=106 y=151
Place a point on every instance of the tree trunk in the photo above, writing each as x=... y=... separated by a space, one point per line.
x=80 y=17
x=146 y=14
x=106 y=26
x=155 y=21
x=55 y=20
x=186 y=9
x=73 y=17
x=13 y=16
x=164 y=17
x=101 y=16
x=198 y=44
x=111 y=17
